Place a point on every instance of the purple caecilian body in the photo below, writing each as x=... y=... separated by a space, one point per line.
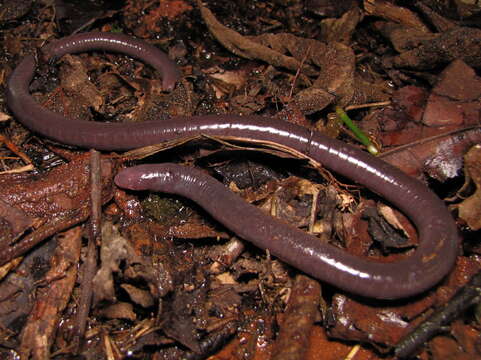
x=426 y=266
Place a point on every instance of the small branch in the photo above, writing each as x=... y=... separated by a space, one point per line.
x=90 y=265
x=430 y=139
x=464 y=298
x=299 y=317
x=9 y=253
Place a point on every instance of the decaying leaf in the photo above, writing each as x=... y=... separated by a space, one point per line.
x=392 y=12
x=121 y=310
x=115 y=250
x=139 y=296
x=39 y=333
x=245 y=47
x=172 y=290
x=428 y=126
x=470 y=208
x=332 y=64
x=457 y=43
x=341 y=29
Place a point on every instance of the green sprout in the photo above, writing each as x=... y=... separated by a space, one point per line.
x=363 y=138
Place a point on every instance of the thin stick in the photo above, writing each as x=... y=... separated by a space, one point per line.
x=90 y=265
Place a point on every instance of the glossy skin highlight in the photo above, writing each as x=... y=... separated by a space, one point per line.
x=438 y=235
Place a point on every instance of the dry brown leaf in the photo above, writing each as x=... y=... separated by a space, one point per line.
x=121 y=310
x=139 y=296
x=243 y=46
x=470 y=209
x=341 y=29
x=332 y=64
x=115 y=248
x=397 y=14
x=75 y=80
x=391 y=217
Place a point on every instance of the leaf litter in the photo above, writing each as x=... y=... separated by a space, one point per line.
x=179 y=289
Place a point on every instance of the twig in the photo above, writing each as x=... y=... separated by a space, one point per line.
x=298 y=71
x=90 y=265
x=19 y=170
x=293 y=340
x=15 y=149
x=428 y=139
x=464 y=298
x=355 y=349
x=8 y=253
x=367 y=105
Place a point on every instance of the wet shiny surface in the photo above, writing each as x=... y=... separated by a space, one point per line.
x=432 y=260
